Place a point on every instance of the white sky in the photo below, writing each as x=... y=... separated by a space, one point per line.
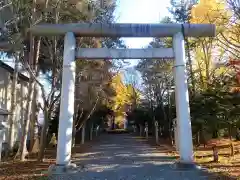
x=140 y=11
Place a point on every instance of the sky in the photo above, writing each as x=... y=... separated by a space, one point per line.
x=140 y=11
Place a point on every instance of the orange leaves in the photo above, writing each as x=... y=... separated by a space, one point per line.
x=235 y=63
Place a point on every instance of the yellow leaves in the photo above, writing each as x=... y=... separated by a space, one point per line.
x=221 y=70
x=210 y=11
x=133 y=95
x=119 y=99
x=123 y=97
x=207 y=51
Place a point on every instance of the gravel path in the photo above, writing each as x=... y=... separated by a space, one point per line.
x=123 y=157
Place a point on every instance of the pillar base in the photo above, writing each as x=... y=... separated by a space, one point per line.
x=56 y=169
x=186 y=166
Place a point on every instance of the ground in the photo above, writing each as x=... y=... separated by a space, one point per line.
x=227 y=165
x=31 y=169
x=125 y=157
x=112 y=156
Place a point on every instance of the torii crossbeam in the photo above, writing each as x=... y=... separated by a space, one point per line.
x=125 y=30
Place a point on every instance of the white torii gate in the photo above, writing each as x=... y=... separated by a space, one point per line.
x=123 y=30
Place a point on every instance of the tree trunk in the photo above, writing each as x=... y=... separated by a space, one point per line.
x=23 y=147
x=43 y=138
x=74 y=135
x=176 y=138
x=156 y=131
x=230 y=131
x=146 y=130
x=192 y=77
x=238 y=134
x=113 y=123
x=171 y=130
x=1 y=137
x=32 y=69
x=33 y=118
x=198 y=138
x=215 y=153
x=203 y=139
x=231 y=149
x=83 y=133
x=12 y=117
x=97 y=129
x=215 y=134
x=140 y=130
x=91 y=132
x=33 y=61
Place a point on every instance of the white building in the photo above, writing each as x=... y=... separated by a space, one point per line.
x=6 y=72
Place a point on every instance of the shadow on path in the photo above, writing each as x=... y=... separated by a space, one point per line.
x=123 y=157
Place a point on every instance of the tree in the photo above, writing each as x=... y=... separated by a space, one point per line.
x=229 y=34
x=212 y=99
x=158 y=79
x=235 y=6
x=131 y=79
x=86 y=71
x=205 y=58
x=119 y=101
x=181 y=11
x=12 y=116
x=45 y=52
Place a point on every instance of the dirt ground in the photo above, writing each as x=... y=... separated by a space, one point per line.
x=31 y=168
x=227 y=165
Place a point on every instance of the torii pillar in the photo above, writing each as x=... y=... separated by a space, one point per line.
x=182 y=101
x=64 y=146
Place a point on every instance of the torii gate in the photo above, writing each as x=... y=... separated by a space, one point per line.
x=123 y=30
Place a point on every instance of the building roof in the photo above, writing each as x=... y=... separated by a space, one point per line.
x=11 y=70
